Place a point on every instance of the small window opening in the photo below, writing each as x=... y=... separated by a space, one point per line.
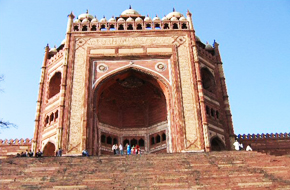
x=76 y=28
x=184 y=26
x=133 y=142
x=152 y=140
x=212 y=112
x=121 y=27
x=112 y=27
x=103 y=139
x=94 y=28
x=51 y=117
x=115 y=141
x=217 y=114
x=103 y=27
x=166 y=26
x=130 y=27
x=163 y=137
x=157 y=26
x=139 y=27
x=158 y=139
x=148 y=26
x=56 y=114
x=47 y=120
x=85 y=28
x=141 y=143
x=207 y=110
x=109 y=140
x=175 y=26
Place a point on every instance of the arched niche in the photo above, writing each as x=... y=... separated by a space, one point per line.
x=208 y=80
x=49 y=149
x=54 y=85
x=216 y=144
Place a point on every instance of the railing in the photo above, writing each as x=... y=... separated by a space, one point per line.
x=264 y=136
x=21 y=141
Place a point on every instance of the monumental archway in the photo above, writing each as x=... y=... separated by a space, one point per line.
x=130 y=107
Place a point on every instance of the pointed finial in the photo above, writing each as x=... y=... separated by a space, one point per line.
x=173 y=9
x=130 y=7
x=87 y=11
x=47 y=45
x=156 y=15
x=188 y=13
x=103 y=16
x=112 y=16
x=147 y=15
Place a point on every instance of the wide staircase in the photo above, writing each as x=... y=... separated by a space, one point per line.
x=215 y=170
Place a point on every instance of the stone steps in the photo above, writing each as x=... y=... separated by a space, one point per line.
x=215 y=170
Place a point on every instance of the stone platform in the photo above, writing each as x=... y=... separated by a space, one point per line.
x=215 y=170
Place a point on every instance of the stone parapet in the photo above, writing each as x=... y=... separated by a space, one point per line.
x=14 y=146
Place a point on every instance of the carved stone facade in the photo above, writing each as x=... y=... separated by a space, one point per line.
x=132 y=80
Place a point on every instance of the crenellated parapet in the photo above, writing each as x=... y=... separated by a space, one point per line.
x=54 y=56
x=130 y=20
x=21 y=141
x=264 y=136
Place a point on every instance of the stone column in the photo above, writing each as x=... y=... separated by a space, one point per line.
x=35 y=143
x=63 y=81
x=204 y=129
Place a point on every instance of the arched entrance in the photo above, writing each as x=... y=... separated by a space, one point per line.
x=49 y=149
x=217 y=144
x=130 y=107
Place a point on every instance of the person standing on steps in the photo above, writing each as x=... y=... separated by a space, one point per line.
x=249 y=148
x=128 y=149
x=114 y=149
x=121 y=149
x=137 y=149
x=237 y=145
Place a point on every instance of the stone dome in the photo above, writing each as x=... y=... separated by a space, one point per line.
x=182 y=18
x=53 y=50
x=165 y=18
x=85 y=15
x=208 y=46
x=197 y=39
x=138 y=19
x=174 y=14
x=147 y=19
x=174 y=19
x=63 y=42
x=85 y=20
x=130 y=19
x=103 y=19
x=112 y=19
x=77 y=21
x=130 y=12
x=121 y=20
x=156 y=19
x=95 y=20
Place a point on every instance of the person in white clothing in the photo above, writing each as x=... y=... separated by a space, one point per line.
x=237 y=145
x=249 y=148
x=114 y=148
x=121 y=149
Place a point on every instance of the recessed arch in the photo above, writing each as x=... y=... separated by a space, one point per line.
x=217 y=144
x=49 y=149
x=54 y=85
x=208 y=80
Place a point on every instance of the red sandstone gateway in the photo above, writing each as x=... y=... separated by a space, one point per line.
x=136 y=80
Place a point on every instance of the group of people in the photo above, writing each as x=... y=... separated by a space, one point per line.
x=29 y=154
x=240 y=146
x=119 y=150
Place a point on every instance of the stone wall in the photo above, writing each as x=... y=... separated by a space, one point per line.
x=14 y=146
x=277 y=144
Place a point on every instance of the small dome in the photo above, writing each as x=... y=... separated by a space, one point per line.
x=112 y=19
x=77 y=21
x=130 y=12
x=103 y=19
x=86 y=15
x=130 y=19
x=85 y=20
x=147 y=19
x=95 y=20
x=164 y=18
x=138 y=19
x=174 y=14
x=174 y=19
x=156 y=19
x=197 y=39
x=208 y=46
x=63 y=42
x=121 y=20
x=53 y=50
x=182 y=18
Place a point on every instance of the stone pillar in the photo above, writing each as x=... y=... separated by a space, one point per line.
x=204 y=129
x=35 y=140
x=63 y=82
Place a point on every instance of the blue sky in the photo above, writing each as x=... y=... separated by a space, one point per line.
x=253 y=37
